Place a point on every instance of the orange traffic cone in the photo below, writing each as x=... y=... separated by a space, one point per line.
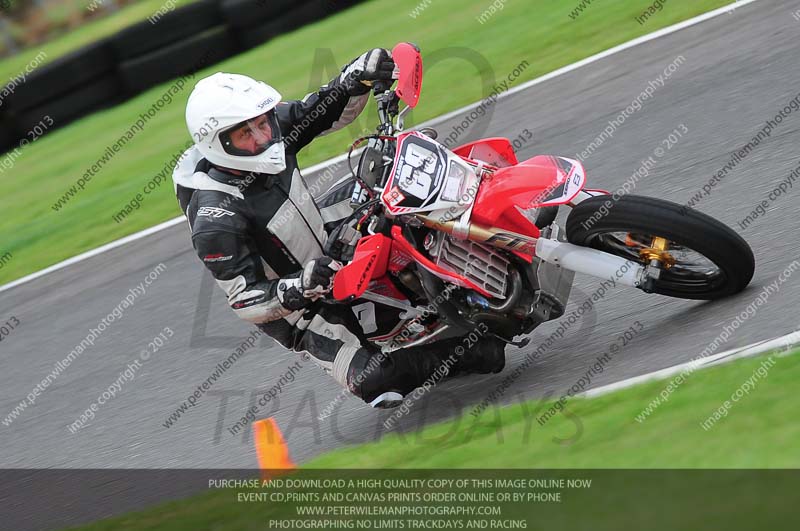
x=271 y=449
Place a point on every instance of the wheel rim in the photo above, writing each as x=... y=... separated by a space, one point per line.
x=692 y=271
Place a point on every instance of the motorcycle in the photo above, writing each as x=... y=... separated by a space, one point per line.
x=468 y=238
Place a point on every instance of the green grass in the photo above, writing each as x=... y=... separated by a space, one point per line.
x=85 y=34
x=539 y=32
x=758 y=432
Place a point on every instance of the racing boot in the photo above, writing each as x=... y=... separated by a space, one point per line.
x=486 y=356
x=383 y=380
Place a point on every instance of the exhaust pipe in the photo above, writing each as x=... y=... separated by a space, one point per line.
x=512 y=241
x=590 y=262
x=573 y=257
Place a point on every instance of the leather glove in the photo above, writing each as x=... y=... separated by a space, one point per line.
x=374 y=65
x=314 y=281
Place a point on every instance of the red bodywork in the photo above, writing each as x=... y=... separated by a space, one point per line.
x=369 y=261
x=523 y=186
x=409 y=64
x=539 y=181
x=507 y=187
x=377 y=254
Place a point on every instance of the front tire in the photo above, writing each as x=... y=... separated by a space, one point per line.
x=713 y=261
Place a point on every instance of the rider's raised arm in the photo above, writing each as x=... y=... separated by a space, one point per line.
x=336 y=104
x=327 y=110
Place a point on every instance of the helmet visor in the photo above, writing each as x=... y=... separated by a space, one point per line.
x=251 y=137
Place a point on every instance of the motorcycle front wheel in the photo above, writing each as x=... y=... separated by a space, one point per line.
x=702 y=258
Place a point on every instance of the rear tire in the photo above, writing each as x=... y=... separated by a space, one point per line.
x=593 y=222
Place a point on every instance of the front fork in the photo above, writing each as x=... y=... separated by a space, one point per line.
x=605 y=265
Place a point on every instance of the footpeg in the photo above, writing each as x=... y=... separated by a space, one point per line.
x=519 y=344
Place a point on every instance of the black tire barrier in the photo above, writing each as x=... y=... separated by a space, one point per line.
x=141 y=56
x=174 y=26
x=92 y=96
x=334 y=6
x=65 y=73
x=8 y=134
x=248 y=13
x=176 y=60
x=309 y=11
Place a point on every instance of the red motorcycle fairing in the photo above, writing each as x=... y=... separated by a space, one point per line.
x=376 y=254
x=537 y=182
x=401 y=245
x=369 y=261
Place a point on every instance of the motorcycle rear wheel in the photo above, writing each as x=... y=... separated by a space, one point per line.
x=711 y=260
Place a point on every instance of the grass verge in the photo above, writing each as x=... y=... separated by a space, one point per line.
x=603 y=432
x=538 y=32
x=82 y=35
x=758 y=432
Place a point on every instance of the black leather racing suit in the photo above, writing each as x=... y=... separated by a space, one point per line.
x=252 y=230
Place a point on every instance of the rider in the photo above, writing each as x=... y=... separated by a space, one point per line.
x=256 y=229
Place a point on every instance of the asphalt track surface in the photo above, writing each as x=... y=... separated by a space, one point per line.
x=739 y=71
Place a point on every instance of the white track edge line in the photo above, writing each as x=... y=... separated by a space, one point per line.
x=339 y=158
x=94 y=252
x=601 y=55
x=760 y=347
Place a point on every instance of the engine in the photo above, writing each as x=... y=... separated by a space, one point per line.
x=480 y=264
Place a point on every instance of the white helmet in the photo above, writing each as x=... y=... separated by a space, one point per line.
x=223 y=102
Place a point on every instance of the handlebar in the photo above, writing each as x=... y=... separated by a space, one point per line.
x=381 y=86
x=387 y=100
